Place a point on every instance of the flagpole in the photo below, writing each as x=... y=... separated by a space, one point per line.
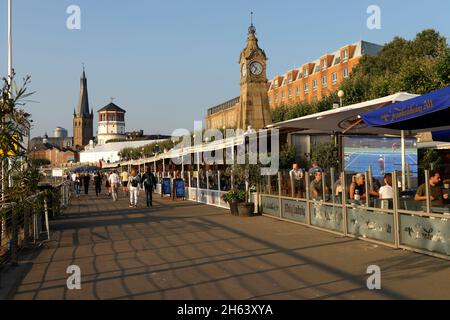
x=10 y=74
x=10 y=62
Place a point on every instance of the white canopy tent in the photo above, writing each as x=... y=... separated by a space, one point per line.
x=345 y=118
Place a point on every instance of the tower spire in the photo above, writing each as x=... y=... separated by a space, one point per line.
x=83 y=102
x=251 y=29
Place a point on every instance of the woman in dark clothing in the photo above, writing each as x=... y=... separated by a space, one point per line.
x=86 y=180
x=98 y=183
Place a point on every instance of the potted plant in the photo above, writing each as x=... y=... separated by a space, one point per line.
x=234 y=197
x=245 y=176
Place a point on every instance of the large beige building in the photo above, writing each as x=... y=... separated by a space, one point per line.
x=317 y=79
x=251 y=108
x=310 y=82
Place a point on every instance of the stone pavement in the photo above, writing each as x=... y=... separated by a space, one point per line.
x=185 y=250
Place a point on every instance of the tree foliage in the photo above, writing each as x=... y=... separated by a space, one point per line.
x=326 y=154
x=416 y=66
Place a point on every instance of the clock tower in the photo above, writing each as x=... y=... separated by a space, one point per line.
x=254 y=109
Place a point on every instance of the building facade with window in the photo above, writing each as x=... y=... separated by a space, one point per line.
x=319 y=78
x=111 y=123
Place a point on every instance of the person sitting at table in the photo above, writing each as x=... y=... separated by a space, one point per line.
x=436 y=195
x=386 y=191
x=316 y=187
x=359 y=186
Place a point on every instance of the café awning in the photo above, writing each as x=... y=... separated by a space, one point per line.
x=428 y=111
x=344 y=119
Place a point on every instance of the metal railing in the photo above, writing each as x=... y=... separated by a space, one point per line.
x=26 y=224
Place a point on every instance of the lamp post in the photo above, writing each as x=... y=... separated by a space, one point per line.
x=340 y=95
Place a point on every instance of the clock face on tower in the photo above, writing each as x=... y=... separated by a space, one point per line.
x=256 y=68
x=244 y=70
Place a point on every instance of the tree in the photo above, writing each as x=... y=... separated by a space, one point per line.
x=287 y=156
x=14 y=128
x=326 y=155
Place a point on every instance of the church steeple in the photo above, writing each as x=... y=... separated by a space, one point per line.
x=83 y=101
x=83 y=127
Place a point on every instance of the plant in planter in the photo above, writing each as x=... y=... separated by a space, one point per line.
x=246 y=177
x=234 y=197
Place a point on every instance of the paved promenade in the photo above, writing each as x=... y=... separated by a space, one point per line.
x=184 y=250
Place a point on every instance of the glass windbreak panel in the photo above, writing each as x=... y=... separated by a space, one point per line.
x=202 y=179
x=225 y=181
x=296 y=180
x=426 y=233
x=202 y=196
x=286 y=190
x=326 y=216
x=212 y=179
x=294 y=210
x=270 y=205
x=371 y=224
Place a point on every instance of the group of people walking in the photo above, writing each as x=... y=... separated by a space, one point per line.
x=131 y=184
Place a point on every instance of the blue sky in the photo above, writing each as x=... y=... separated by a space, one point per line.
x=166 y=62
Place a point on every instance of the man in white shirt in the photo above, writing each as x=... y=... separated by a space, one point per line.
x=296 y=175
x=114 y=180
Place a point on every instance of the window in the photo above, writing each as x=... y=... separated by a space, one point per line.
x=317 y=69
x=334 y=77
x=324 y=81
x=345 y=73
x=290 y=93
x=306 y=87
x=282 y=96
x=345 y=56
x=276 y=83
x=324 y=64
x=276 y=98
x=314 y=84
x=297 y=91
x=305 y=72
x=338 y=60
x=290 y=78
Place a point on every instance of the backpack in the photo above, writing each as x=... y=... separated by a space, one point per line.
x=135 y=182
x=148 y=181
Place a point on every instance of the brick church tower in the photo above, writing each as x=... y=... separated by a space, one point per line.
x=83 y=118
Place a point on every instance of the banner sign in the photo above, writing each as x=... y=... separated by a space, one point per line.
x=166 y=186
x=179 y=187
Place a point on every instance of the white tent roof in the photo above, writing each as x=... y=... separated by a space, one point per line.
x=341 y=119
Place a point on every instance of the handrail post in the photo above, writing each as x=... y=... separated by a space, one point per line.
x=47 y=226
x=308 y=207
x=344 y=203
x=279 y=194
x=366 y=186
x=14 y=237
x=427 y=190
x=396 y=214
